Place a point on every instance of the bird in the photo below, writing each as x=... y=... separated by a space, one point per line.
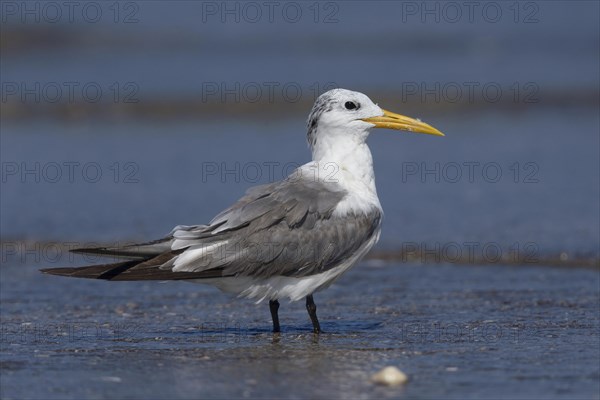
x=281 y=240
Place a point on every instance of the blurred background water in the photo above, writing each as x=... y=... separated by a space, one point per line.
x=193 y=100
x=120 y=120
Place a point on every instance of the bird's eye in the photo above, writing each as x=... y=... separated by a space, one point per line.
x=350 y=105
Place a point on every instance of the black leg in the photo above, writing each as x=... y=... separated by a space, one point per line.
x=274 y=306
x=312 y=312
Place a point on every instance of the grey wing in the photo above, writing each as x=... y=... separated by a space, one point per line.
x=304 y=250
x=286 y=228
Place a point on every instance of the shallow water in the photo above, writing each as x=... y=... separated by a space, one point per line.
x=458 y=332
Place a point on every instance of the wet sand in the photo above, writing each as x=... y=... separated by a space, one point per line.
x=491 y=331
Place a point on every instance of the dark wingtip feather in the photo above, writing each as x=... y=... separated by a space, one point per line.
x=136 y=251
x=93 y=250
x=106 y=271
x=105 y=251
x=133 y=271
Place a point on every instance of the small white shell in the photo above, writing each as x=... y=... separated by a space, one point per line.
x=390 y=376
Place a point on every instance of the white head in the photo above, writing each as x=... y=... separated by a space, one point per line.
x=341 y=114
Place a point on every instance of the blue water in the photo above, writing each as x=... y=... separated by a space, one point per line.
x=494 y=178
x=553 y=45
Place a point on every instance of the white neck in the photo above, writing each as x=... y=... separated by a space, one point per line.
x=350 y=156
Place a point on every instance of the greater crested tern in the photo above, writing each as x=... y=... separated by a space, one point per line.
x=287 y=239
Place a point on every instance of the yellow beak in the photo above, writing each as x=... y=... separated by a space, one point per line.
x=399 y=122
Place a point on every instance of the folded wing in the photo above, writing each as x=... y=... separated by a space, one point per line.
x=284 y=228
